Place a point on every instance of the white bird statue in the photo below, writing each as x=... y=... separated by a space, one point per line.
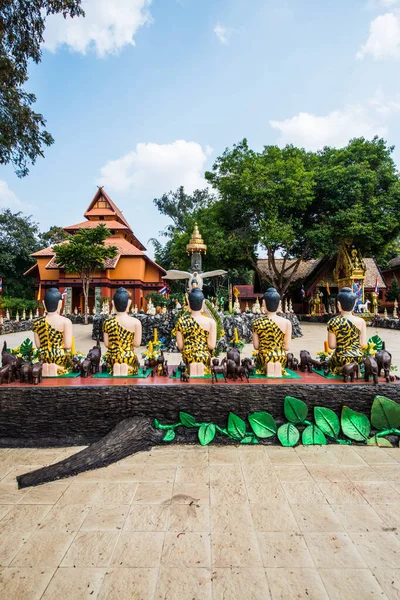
x=193 y=277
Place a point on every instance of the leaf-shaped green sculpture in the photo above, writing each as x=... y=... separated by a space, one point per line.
x=355 y=425
x=375 y=339
x=379 y=441
x=313 y=436
x=206 y=433
x=169 y=436
x=327 y=421
x=263 y=424
x=249 y=439
x=385 y=413
x=158 y=425
x=236 y=427
x=288 y=434
x=187 y=420
x=295 y=410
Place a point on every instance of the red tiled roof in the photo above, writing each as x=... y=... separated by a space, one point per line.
x=94 y=224
x=45 y=252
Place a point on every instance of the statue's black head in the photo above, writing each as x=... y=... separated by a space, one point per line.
x=272 y=299
x=121 y=299
x=51 y=299
x=196 y=299
x=347 y=298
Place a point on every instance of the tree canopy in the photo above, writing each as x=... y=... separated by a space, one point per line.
x=18 y=239
x=84 y=253
x=22 y=25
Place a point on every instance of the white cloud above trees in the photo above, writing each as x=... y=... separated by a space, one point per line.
x=153 y=169
x=8 y=198
x=384 y=38
x=337 y=127
x=108 y=26
x=223 y=33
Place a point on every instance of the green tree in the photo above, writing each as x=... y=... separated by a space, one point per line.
x=22 y=25
x=55 y=235
x=18 y=239
x=393 y=292
x=84 y=253
x=298 y=205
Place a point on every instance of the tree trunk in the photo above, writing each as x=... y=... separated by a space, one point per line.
x=85 y=287
x=128 y=437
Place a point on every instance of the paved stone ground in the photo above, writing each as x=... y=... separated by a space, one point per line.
x=187 y=523
x=313 y=338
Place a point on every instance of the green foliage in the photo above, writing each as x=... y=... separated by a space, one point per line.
x=19 y=304
x=22 y=133
x=55 y=235
x=327 y=421
x=18 y=239
x=393 y=292
x=312 y=436
x=355 y=425
x=84 y=253
x=295 y=410
x=385 y=416
x=263 y=424
x=288 y=434
x=157 y=299
x=377 y=341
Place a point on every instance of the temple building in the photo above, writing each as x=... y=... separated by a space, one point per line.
x=131 y=268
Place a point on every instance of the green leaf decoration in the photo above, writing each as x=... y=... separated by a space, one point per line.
x=288 y=434
x=187 y=420
x=206 y=433
x=169 y=436
x=385 y=413
x=159 y=425
x=327 y=421
x=375 y=339
x=355 y=425
x=295 y=410
x=379 y=441
x=263 y=424
x=236 y=427
x=313 y=436
x=249 y=439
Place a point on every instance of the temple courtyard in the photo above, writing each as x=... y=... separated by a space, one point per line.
x=214 y=523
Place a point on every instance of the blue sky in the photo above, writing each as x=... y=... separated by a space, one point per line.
x=143 y=96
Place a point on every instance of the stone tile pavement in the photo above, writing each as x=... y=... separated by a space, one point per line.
x=217 y=523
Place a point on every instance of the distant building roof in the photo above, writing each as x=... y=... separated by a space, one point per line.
x=392 y=264
x=94 y=224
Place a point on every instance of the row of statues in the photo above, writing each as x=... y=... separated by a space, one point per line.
x=196 y=335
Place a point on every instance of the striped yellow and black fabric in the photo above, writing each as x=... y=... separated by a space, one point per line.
x=348 y=347
x=51 y=344
x=195 y=348
x=120 y=346
x=271 y=340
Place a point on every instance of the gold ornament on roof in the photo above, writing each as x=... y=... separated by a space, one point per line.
x=196 y=243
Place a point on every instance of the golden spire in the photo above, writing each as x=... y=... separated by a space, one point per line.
x=196 y=243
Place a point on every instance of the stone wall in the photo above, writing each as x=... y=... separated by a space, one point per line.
x=386 y=323
x=165 y=323
x=15 y=327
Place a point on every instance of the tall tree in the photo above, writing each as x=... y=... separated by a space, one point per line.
x=18 y=239
x=22 y=25
x=297 y=205
x=393 y=292
x=53 y=236
x=84 y=253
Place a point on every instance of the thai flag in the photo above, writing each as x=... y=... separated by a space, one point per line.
x=377 y=286
x=163 y=290
x=1 y=285
x=64 y=293
x=303 y=292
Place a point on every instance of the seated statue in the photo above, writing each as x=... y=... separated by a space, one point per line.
x=271 y=336
x=121 y=334
x=196 y=335
x=53 y=336
x=346 y=333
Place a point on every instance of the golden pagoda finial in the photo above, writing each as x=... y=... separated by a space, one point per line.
x=196 y=243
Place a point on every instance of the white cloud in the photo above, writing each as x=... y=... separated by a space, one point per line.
x=384 y=38
x=223 y=33
x=153 y=169
x=108 y=26
x=8 y=198
x=339 y=126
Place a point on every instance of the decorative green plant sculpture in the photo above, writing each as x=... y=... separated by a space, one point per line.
x=355 y=426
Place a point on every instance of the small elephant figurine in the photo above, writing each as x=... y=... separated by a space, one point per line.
x=36 y=373
x=6 y=374
x=305 y=361
x=371 y=369
x=25 y=372
x=350 y=370
x=185 y=377
x=86 y=366
x=384 y=360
